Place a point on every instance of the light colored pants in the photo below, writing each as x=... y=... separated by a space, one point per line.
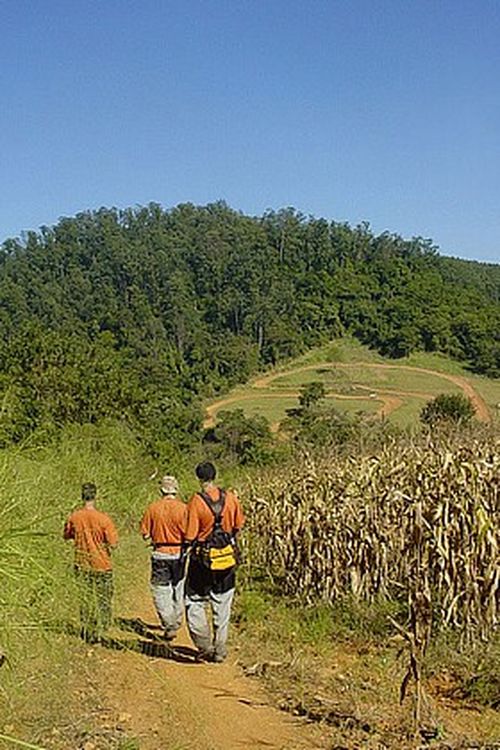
x=168 y=596
x=199 y=628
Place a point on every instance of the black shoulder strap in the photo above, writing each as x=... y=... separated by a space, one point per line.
x=217 y=507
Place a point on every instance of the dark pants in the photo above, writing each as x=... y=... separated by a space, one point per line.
x=96 y=594
x=200 y=580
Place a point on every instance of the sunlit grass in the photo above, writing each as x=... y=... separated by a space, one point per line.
x=348 y=368
x=38 y=602
x=391 y=377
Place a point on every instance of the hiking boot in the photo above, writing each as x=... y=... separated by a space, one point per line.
x=168 y=635
x=218 y=658
x=205 y=656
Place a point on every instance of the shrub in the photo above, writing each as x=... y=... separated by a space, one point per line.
x=247 y=440
x=448 y=407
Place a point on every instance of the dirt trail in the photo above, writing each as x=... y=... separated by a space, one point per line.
x=389 y=401
x=182 y=705
x=479 y=403
x=390 y=398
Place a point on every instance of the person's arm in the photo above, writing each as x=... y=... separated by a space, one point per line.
x=238 y=516
x=145 y=526
x=192 y=521
x=69 y=530
x=183 y=526
x=111 y=535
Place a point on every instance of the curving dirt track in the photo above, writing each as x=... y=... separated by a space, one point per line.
x=391 y=399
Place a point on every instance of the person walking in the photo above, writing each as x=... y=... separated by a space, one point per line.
x=215 y=517
x=164 y=525
x=94 y=536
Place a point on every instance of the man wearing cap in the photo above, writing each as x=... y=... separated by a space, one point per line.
x=164 y=525
x=209 y=587
x=94 y=535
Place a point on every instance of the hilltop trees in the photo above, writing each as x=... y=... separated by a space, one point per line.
x=137 y=314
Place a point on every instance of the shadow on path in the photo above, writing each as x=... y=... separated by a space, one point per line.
x=149 y=644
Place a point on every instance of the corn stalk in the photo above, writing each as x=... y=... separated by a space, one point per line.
x=348 y=527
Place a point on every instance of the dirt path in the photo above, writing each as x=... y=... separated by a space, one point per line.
x=390 y=402
x=479 y=403
x=182 y=705
x=391 y=399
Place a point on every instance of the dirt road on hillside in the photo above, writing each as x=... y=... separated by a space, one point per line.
x=479 y=404
x=390 y=399
x=177 y=704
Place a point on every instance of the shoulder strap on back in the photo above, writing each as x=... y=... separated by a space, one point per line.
x=217 y=507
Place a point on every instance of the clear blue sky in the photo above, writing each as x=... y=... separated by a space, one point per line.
x=380 y=110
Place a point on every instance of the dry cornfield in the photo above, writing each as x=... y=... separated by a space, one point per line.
x=417 y=522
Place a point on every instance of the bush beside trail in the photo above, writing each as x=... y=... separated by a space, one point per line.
x=451 y=408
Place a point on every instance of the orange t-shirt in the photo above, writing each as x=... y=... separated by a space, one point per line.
x=201 y=518
x=94 y=533
x=165 y=522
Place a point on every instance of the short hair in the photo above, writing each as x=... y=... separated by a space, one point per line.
x=89 y=491
x=206 y=471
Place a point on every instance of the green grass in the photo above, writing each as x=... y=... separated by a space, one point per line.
x=274 y=409
x=366 y=406
x=434 y=361
x=341 y=350
x=490 y=390
x=408 y=413
x=355 y=379
x=391 y=379
x=258 y=605
x=38 y=603
x=332 y=378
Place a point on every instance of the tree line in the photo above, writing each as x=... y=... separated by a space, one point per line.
x=138 y=314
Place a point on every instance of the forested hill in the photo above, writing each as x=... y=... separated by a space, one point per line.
x=135 y=314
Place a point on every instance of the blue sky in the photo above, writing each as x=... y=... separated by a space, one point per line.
x=380 y=110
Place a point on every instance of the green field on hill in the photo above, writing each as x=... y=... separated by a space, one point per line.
x=356 y=376
x=357 y=379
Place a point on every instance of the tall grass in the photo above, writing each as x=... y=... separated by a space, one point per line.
x=39 y=487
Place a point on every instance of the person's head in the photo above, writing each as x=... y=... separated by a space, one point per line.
x=169 y=486
x=206 y=472
x=89 y=492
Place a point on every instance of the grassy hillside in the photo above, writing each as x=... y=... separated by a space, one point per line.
x=140 y=314
x=358 y=379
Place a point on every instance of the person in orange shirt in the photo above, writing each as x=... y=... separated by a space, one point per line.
x=205 y=586
x=94 y=535
x=164 y=525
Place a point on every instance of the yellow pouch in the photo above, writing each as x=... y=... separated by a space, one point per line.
x=222 y=559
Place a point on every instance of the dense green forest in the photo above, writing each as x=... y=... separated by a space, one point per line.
x=138 y=314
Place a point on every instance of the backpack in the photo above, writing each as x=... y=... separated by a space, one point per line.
x=218 y=551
